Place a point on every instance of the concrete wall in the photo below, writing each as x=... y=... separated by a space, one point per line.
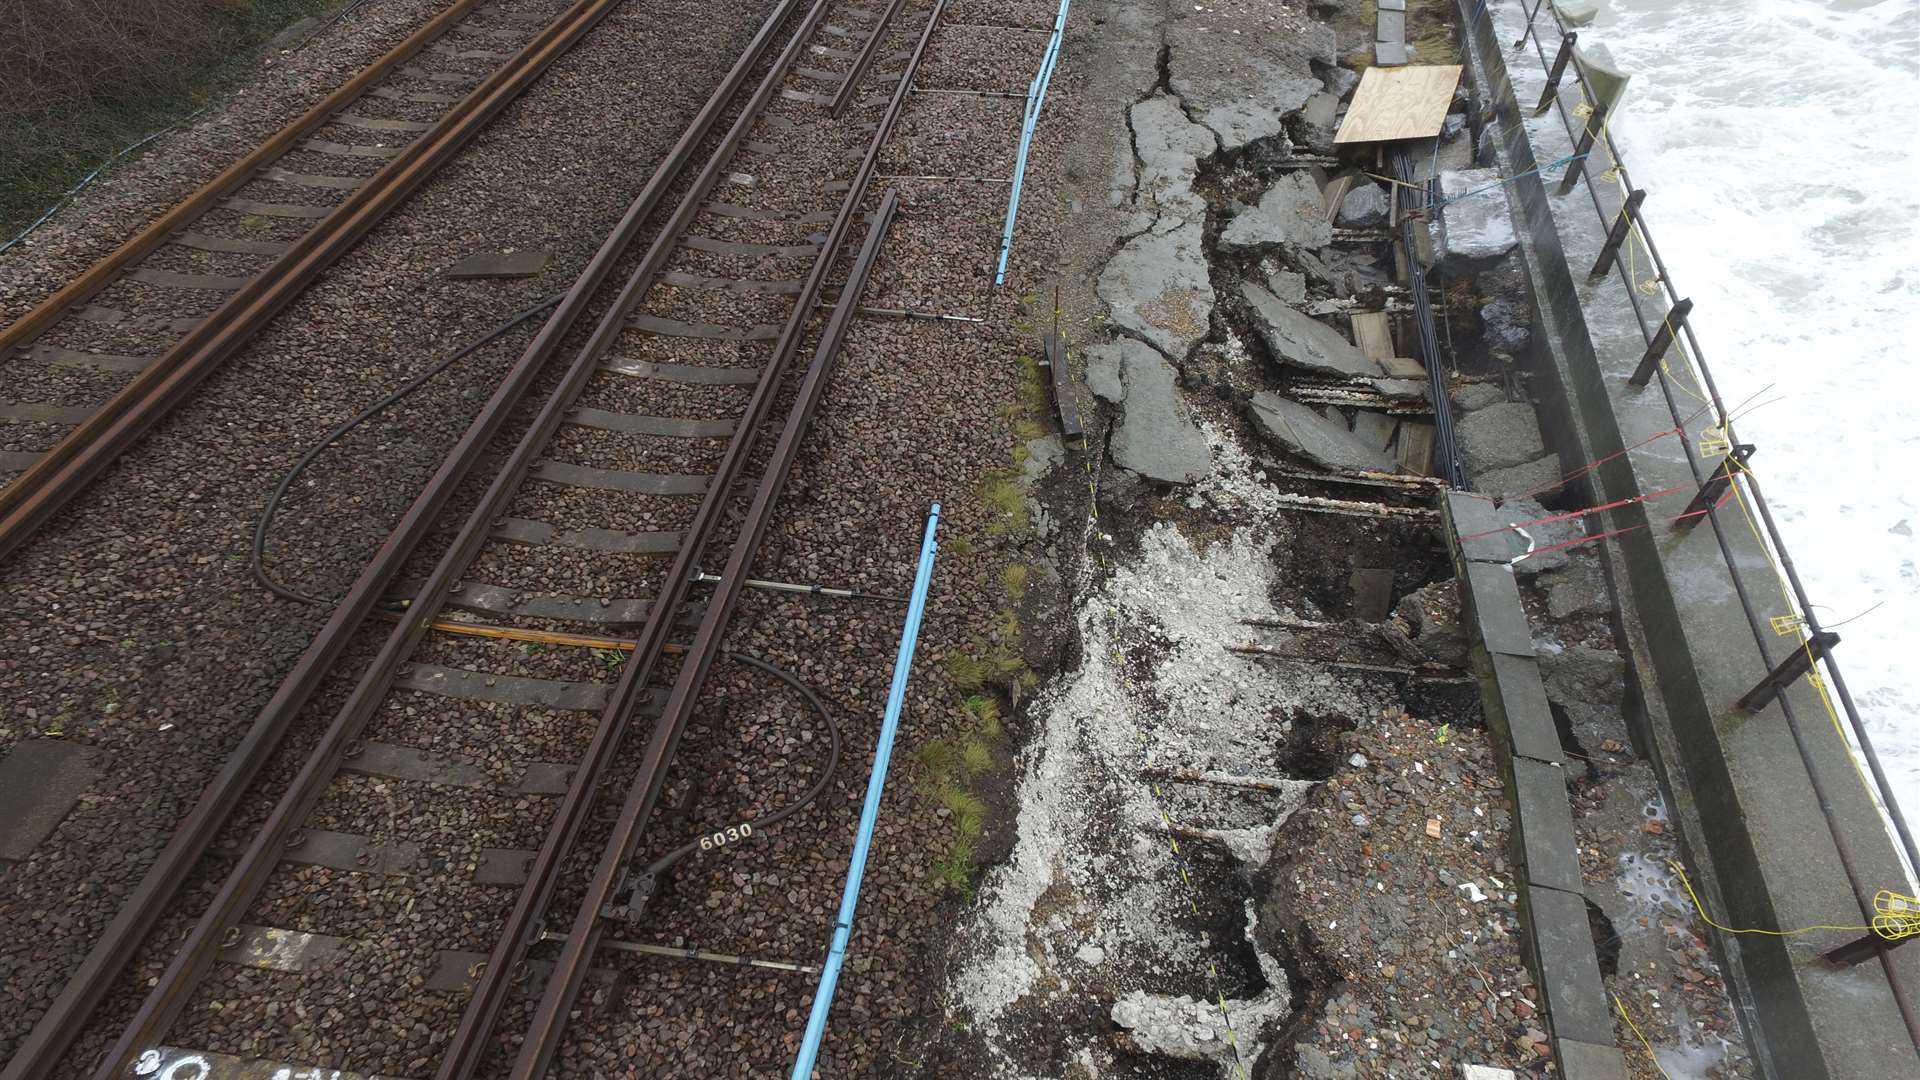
x=1746 y=799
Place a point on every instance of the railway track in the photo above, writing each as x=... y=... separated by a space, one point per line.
x=462 y=774
x=94 y=367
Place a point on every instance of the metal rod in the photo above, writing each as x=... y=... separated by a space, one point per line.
x=1559 y=68
x=1616 y=236
x=810 y=590
x=1662 y=340
x=816 y=1030
x=728 y=959
x=1789 y=671
x=1577 y=166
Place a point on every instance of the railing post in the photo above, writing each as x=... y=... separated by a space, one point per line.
x=1560 y=63
x=1797 y=663
x=1865 y=947
x=1714 y=488
x=1662 y=338
x=1596 y=123
x=1617 y=236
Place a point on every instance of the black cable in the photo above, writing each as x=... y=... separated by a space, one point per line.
x=666 y=861
x=272 y=507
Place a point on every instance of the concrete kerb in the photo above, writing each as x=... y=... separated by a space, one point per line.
x=1762 y=850
x=1543 y=848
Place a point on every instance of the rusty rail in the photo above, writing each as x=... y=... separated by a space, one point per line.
x=557 y=1002
x=38 y=493
x=45 y=1047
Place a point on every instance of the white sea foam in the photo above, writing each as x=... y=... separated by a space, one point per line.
x=1779 y=146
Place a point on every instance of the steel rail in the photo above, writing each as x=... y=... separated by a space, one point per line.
x=170 y=994
x=146 y=241
x=570 y=973
x=38 y=493
x=851 y=86
x=563 y=986
x=45 y=1046
x=1863 y=897
x=524 y=923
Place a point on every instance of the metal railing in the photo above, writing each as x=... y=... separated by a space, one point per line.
x=1588 y=134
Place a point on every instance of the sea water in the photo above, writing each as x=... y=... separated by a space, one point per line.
x=1779 y=145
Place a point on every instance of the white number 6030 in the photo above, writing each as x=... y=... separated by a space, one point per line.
x=725 y=836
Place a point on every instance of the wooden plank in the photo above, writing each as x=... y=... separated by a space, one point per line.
x=1061 y=380
x=1416 y=447
x=1399 y=103
x=1373 y=334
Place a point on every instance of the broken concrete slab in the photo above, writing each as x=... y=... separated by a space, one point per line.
x=1582 y=673
x=1103 y=374
x=1507 y=325
x=1576 y=589
x=1155 y=437
x=1374 y=428
x=1244 y=86
x=40 y=781
x=1158 y=287
x=1535 y=479
x=1169 y=147
x=1365 y=206
x=1303 y=341
x=1478 y=396
x=500 y=264
x=1290 y=212
x=1401 y=389
x=1499 y=437
x=1289 y=286
x=1474 y=230
x=1317 y=122
x=1433 y=620
x=1305 y=433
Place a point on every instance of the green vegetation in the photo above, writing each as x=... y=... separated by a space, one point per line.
x=85 y=79
x=952 y=766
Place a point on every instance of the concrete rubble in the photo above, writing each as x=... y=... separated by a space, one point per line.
x=1300 y=430
x=1303 y=341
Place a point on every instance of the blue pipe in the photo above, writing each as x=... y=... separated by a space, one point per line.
x=870 y=811
x=1036 y=97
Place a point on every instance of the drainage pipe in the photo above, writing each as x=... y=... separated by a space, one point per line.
x=870 y=810
x=1036 y=97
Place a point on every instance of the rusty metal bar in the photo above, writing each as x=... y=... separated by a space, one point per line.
x=1662 y=340
x=1787 y=672
x=83 y=453
x=1711 y=491
x=55 y=1031
x=844 y=96
x=1559 y=68
x=1577 y=166
x=102 y=273
x=1617 y=235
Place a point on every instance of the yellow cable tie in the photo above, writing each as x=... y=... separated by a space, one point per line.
x=1635 y=1028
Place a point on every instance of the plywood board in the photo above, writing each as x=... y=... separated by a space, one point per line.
x=1373 y=334
x=1416 y=447
x=1399 y=103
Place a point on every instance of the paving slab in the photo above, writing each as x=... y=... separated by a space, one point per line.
x=1542 y=836
x=1305 y=433
x=1364 y=206
x=500 y=264
x=1525 y=716
x=1537 y=479
x=1168 y=146
x=1567 y=966
x=1302 y=341
x=1585 y=1061
x=40 y=780
x=1372 y=593
x=1497 y=615
x=1158 y=287
x=1474 y=230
